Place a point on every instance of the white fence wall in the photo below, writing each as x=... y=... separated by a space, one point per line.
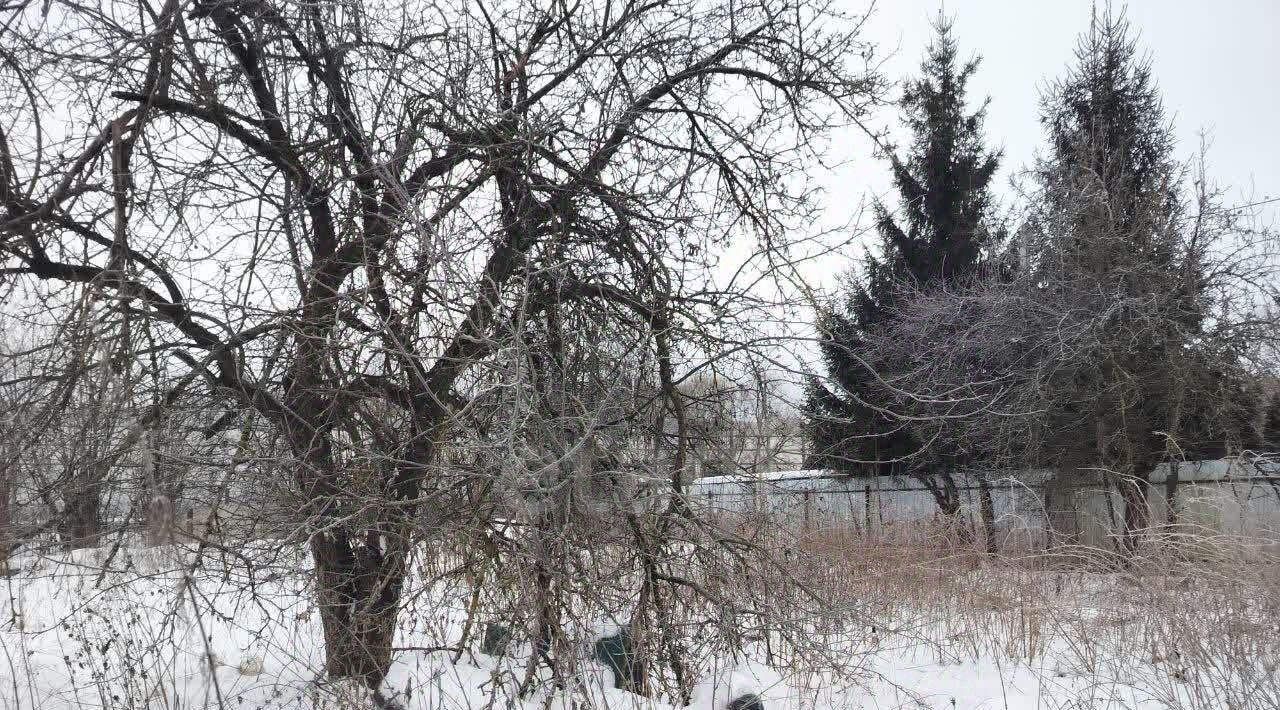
x=1226 y=496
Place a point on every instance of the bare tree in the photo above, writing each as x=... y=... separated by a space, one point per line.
x=341 y=218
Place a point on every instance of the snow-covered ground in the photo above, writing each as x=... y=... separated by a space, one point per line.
x=152 y=632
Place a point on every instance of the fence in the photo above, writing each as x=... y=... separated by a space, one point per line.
x=1032 y=508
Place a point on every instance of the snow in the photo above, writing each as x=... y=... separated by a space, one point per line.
x=153 y=632
x=725 y=685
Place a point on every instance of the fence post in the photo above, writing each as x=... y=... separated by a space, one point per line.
x=866 y=508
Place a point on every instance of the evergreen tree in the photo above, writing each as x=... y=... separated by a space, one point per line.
x=1113 y=242
x=941 y=234
x=1271 y=427
x=1108 y=133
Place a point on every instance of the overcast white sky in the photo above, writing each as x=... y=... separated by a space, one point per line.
x=1217 y=64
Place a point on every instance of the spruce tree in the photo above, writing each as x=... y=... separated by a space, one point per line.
x=1113 y=243
x=1111 y=147
x=940 y=234
x=1270 y=437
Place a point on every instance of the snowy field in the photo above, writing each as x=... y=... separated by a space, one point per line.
x=918 y=629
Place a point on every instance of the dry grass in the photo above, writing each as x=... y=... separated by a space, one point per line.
x=1194 y=622
x=1191 y=622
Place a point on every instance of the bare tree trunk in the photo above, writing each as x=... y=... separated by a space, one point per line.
x=81 y=523
x=358 y=593
x=1137 y=514
x=160 y=520
x=988 y=514
x=160 y=492
x=947 y=497
x=6 y=520
x=546 y=632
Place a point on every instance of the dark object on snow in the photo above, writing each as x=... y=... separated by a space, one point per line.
x=618 y=653
x=749 y=701
x=495 y=640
